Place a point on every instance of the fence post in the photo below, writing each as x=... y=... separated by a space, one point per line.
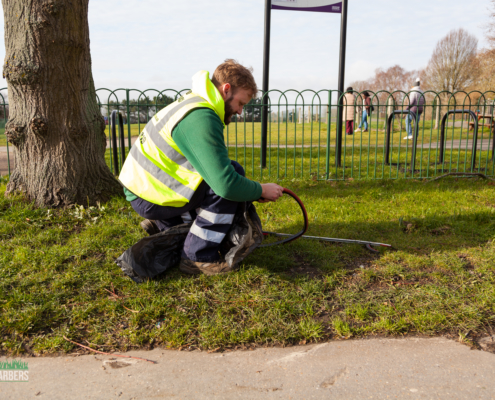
x=415 y=137
x=327 y=160
x=113 y=132
x=338 y=136
x=475 y=135
x=121 y=139
x=128 y=111
x=343 y=44
x=415 y=144
x=266 y=75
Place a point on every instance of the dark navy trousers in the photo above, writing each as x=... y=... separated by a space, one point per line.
x=212 y=216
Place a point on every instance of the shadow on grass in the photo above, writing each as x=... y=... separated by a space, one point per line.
x=411 y=235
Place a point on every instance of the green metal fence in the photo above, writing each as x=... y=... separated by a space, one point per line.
x=454 y=133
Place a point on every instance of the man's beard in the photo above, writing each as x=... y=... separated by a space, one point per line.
x=229 y=111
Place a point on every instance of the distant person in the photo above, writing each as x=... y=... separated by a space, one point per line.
x=349 y=110
x=366 y=111
x=416 y=106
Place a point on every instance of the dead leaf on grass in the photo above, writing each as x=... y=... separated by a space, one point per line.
x=441 y=231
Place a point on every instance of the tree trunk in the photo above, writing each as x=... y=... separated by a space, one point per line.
x=438 y=115
x=55 y=125
x=390 y=108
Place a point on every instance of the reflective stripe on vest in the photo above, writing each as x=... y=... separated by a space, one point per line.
x=156 y=170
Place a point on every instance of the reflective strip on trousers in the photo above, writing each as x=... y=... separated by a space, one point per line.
x=160 y=175
x=205 y=234
x=186 y=217
x=225 y=219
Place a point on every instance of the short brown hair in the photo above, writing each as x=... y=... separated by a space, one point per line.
x=236 y=74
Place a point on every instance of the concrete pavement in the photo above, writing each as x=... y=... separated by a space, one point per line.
x=359 y=369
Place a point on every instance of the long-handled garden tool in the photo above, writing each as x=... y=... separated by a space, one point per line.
x=290 y=238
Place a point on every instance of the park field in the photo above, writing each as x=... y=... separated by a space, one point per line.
x=280 y=134
x=58 y=275
x=357 y=162
x=249 y=134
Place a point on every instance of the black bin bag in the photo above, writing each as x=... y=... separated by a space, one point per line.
x=155 y=254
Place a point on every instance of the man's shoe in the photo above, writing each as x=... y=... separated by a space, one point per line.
x=358 y=130
x=207 y=268
x=149 y=227
x=408 y=137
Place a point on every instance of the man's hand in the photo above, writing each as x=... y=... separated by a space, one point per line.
x=270 y=192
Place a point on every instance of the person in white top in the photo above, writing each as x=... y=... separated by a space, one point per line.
x=416 y=106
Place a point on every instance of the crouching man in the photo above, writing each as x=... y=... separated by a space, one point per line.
x=179 y=169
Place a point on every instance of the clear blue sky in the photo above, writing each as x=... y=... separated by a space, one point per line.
x=162 y=43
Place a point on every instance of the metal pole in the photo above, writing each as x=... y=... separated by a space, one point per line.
x=343 y=38
x=129 y=142
x=266 y=76
x=115 y=154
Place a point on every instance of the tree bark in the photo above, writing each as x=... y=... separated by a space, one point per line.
x=438 y=115
x=390 y=108
x=55 y=125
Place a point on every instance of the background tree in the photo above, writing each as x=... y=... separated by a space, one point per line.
x=452 y=67
x=486 y=65
x=387 y=81
x=361 y=86
x=393 y=79
x=163 y=100
x=55 y=124
x=252 y=110
x=490 y=27
x=486 y=57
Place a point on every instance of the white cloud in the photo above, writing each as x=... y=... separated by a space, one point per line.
x=360 y=70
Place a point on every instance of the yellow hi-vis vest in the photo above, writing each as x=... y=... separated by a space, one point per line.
x=155 y=169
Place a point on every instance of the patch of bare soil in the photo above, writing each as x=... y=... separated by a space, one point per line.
x=487 y=344
x=361 y=262
x=398 y=282
x=364 y=261
x=304 y=268
x=468 y=265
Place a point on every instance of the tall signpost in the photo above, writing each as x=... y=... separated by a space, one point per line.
x=266 y=75
x=326 y=6
x=343 y=45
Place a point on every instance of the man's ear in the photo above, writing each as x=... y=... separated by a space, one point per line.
x=226 y=89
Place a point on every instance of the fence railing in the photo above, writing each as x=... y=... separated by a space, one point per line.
x=452 y=133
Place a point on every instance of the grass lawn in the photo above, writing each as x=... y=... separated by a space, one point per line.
x=57 y=266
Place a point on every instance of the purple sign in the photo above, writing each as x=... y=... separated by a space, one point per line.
x=326 y=6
